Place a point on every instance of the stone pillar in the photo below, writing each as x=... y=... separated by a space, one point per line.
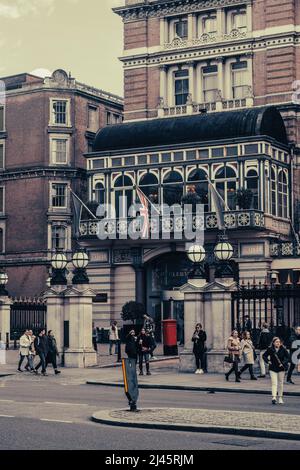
x=249 y=17
x=163 y=38
x=191 y=27
x=221 y=26
x=210 y=305
x=5 y=303
x=163 y=84
x=191 y=66
x=55 y=314
x=79 y=312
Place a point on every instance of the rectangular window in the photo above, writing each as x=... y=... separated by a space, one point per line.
x=2 y=202
x=239 y=79
x=239 y=20
x=154 y=158
x=191 y=155
x=210 y=83
x=178 y=156
x=232 y=151
x=209 y=24
x=203 y=153
x=93 y=119
x=142 y=159
x=59 y=195
x=166 y=157
x=59 y=112
x=181 y=78
x=250 y=149
x=108 y=118
x=99 y=163
x=116 y=119
x=2 y=126
x=1 y=156
x=217 y=152
x=116 y=161
x=129 y=161
x=58 y=237
x=59 y=151
x=181 y=29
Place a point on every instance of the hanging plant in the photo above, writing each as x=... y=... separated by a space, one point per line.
x=244 y=198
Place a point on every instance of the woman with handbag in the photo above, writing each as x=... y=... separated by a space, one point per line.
x=248 y=352
x=278 y=359
x=234 y=350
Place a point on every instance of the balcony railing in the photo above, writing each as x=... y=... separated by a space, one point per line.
x=211 y=107
x=242 y=219
x=285 y=250
x=206 y=38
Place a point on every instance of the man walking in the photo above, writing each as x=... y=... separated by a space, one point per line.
x=264 y=342
x=149 y=326
x=94 y=337
x=53 y=352
x=25 y=342
x=42 y=348
x=293 y=345
x=113 y=337
x=144 y=348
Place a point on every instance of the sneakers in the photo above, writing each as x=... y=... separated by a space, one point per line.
x=261 y=376
x=45 y=374
x=280 y=401
x=19 y=370
x=289 y=381
x=201 y=371
x=57 y=372
x=274 y=401
x=197 y=371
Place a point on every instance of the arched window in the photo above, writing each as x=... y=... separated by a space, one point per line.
x=226 y=185
x=252 y=182
x=58 y=237
x=267 y=190
x=100 y=193
x=282 y=195
x=273 y=192
x=123 y=195
x=172 y=188
x=198 y=178
x=149 y=185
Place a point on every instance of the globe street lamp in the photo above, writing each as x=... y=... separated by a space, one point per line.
x=196 y=253
x=80 y=261
x=223 y=253
x=3 y=283
x=59 y=263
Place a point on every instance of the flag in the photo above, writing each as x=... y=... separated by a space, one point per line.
x=144 y=213
x=77 y=211
x=219 y=205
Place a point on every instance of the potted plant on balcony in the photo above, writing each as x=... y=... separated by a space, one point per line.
x=244 y=198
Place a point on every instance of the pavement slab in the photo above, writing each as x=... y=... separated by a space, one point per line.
x=202 y=420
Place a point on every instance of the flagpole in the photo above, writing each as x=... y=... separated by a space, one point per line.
x=151 y=204
x=82 y=203
x=218 y=194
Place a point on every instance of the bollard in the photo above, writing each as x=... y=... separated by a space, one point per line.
x=7 y=341
x=119 y=351
x=15 y=341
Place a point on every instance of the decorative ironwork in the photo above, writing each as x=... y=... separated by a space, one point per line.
x=284 y=249
x=26 y=313
x=205 y=38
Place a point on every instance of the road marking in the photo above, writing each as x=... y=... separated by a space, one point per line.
x=6 y=416
x=63 y=403
x=7 y=401
x=56 y=421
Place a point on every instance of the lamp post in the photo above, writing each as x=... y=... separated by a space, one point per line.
x=3 y=283
x=59 y=263
x=80 y=261
x=196 y=253
x=223 y=253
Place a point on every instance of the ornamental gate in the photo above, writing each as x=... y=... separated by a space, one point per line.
x=27 y=314
x=278 y=305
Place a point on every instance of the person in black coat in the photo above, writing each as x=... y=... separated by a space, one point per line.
x=131 y=346
x=53 y=352
x=264 y=341
x=144 y=348
x=292 y=345
x=41 y=346
x=278 y=359
x=199 y=338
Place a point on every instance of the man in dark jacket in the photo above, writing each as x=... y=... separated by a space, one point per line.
x=264 y=342
x=144 y=348
x=41 y=346
x=129 y=370
x=293 y=346
x=131 y=345
x=53 y=352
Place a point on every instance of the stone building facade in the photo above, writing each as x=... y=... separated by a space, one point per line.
x=46 y=125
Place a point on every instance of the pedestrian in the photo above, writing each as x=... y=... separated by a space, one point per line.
x=52 y=352
x=234 y=350
x=42 y=348
x=264 y=341
x=144 y=347
x=293 y=347
x=199 y=338
x=94 y=337
x=149 y=325
x=25 y=342
x=278 y=359
x=131 y=347
x=247 y=326
x=248 y=352
x=31 y=354
x=129 y=369
x=113 y=337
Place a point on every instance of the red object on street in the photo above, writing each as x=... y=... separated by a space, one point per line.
x=170 y=337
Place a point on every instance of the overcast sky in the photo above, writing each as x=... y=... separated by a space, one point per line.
x=81 y=36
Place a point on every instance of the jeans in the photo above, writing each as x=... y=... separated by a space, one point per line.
x=262 y=363
x=21 y=361
x=42 y=362
x=247 y=366
x=111 y=343
x=51 y=359
x=30 y=362
x=291 y=370
x=141 y=359
x=234 y=368
x=95 y=343
x=277 y=379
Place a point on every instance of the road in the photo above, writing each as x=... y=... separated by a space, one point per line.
x=54 y=413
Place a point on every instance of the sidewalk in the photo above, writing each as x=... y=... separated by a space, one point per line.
x=209 y=421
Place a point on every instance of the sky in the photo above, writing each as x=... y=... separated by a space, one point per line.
x=83 y=37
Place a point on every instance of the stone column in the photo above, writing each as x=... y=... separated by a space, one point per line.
x=163 y=84
x=5 y=303
x=191 y=27
x=221 y=27
x=79 y=313
x=249 y=17
x=55 y=314
x=163 y=38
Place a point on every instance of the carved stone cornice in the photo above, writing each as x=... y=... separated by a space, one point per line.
x=142 y=11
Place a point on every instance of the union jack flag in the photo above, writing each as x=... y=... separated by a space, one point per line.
x=144 y=212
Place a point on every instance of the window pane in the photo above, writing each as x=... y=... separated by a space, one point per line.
x=251 y=148
x=59 y=195
x=142 y=159
x=203 y=153
x=58 y=238
x=232 y=151
x=166 y=157
x=191 y=155
x=98 y=163
x=218 y=152
x=1 y=118
x=93 y=119
x=154 y=158
x=178 y=156
x=129 y=161
x=60 y=112
x=60 y=151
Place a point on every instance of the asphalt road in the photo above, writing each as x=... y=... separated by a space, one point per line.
x=53 y=413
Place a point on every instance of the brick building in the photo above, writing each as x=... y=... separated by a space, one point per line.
x=46 y=125
x=210 y=90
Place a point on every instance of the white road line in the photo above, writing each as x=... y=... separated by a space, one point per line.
x=56 y=421
x=63 y=403
x=7 y=401
x=6 y=416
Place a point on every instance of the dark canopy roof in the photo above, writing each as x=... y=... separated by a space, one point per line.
x=249 y=122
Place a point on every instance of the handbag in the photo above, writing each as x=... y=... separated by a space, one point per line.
x=228 y=359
